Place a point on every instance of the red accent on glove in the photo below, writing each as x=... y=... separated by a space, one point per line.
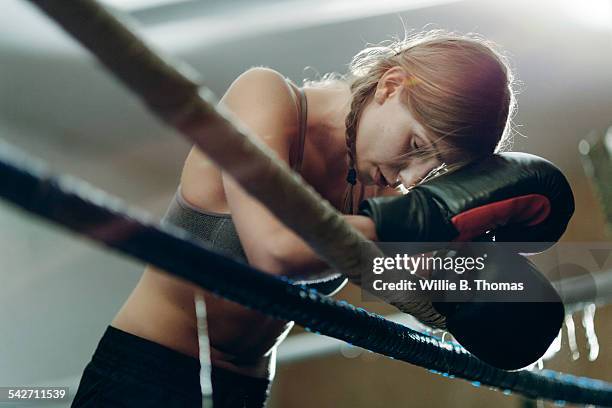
x=530 y=209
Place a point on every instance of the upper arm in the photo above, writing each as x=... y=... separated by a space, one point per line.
x=261 y=99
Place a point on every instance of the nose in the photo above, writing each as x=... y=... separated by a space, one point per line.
x=407 y=179
x=391 y=175
x=415 y=172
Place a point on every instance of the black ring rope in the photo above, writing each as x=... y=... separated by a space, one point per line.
x=80 y=207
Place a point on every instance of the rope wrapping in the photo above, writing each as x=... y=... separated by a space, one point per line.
x=79 y=207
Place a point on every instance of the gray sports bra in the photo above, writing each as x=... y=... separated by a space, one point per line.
x=218 y=230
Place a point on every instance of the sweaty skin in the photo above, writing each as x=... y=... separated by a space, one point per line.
x=161 y=307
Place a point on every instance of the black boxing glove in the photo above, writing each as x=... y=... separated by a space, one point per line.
x=507 y=329
x=518 y=197
x=515 y=197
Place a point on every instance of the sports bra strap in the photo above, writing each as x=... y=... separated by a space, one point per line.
x=302 y=107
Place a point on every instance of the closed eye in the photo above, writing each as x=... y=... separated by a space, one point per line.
x=416 y=141
x=415 y=145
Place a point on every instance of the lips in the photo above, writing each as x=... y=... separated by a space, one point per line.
x=379 y=179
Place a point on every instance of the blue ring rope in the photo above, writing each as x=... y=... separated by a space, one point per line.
x=76 y=205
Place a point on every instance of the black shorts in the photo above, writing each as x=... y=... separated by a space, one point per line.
x=129 y=371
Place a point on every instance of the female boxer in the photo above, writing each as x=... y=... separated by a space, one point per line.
x=404 y=110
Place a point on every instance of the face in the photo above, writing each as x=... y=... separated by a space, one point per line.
x=387 y=130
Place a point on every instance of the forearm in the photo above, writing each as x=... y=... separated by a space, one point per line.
x=295 y=256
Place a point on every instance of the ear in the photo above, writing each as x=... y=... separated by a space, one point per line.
x=389 y=84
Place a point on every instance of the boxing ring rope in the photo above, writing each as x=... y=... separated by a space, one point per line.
x=578 y=291
x=75 y=205
x=172 y=92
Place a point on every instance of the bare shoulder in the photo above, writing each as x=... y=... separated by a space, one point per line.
x=260 y=100
x=261 y=76
x=263 y=99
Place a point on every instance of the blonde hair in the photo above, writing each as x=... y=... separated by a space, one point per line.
x=458 y=86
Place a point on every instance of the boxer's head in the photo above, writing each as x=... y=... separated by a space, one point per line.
x=435 y=99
